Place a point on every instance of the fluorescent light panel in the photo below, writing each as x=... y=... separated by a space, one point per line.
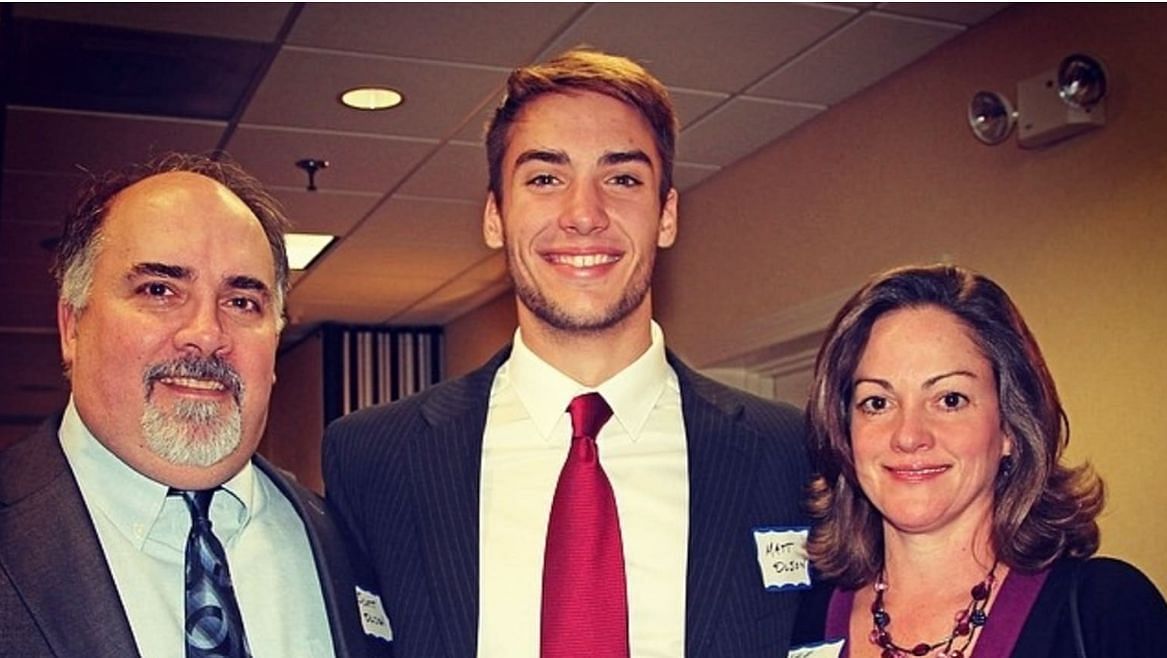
x=303 y=248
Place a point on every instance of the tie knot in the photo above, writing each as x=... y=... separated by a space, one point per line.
x=588 y=412
x=198 y=502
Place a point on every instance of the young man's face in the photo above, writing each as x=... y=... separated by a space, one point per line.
x=172 y=357
x=580 y=215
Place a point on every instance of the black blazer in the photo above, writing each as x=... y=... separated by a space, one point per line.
x=1120 y=613
x=57 y=596
x=404 y=479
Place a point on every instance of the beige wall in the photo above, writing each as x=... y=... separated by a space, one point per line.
x=295 y=424
x=1077 y=232
x=476 y=336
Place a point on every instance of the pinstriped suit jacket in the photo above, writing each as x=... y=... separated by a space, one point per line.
x=57 y=596
x=404 y=479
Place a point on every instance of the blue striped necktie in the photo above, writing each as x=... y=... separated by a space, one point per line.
x=214 y=625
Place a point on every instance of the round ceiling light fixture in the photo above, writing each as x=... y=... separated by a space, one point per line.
x=371 y=99
x=991 y=117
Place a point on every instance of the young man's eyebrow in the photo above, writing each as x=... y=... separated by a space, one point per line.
x=621 y=157
x=542 y=155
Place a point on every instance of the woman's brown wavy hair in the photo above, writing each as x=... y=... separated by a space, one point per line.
x=1042 y=509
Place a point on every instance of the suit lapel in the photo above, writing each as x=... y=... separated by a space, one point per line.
x=447 y=463
x=58 y=568
x=720 y=463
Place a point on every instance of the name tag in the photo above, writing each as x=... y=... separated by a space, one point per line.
x=832 y=649
x=373 y=617
x=782 y=558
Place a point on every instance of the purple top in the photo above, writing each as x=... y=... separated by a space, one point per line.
x=1018 y=592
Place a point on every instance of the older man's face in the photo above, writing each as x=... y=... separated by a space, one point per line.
x=172 y=357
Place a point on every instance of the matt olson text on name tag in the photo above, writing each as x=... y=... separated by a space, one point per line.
x=782 y=557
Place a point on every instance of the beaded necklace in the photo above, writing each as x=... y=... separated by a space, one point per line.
x=968 y=620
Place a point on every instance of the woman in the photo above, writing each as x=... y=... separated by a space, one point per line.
x=945 y=522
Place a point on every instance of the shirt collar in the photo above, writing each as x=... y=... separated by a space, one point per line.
x=136 y=501
x=631 y=393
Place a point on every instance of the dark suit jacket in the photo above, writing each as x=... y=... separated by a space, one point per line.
x=404 y=479
x=57 y=596
x=1120 y=613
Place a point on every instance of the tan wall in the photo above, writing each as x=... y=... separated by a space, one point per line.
x=1077 y=232
x=476 y=336
x=295 y=425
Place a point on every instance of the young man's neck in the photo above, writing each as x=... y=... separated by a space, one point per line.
x=591 y=357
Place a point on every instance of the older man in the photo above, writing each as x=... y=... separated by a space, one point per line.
x=140 y=521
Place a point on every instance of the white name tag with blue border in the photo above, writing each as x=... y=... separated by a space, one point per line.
x=782 y=557
x=373 y=617
x=828 y=649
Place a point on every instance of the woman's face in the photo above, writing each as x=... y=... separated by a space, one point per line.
x=925 y=423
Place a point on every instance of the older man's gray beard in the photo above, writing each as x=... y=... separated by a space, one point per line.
x=194 y=432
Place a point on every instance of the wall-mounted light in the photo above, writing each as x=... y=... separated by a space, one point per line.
x=991 y=117
x=1052 y=106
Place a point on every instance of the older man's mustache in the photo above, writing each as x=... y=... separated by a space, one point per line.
x=212 y=369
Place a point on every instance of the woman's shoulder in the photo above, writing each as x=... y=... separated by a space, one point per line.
x=1120 y=611
x=1109 y=577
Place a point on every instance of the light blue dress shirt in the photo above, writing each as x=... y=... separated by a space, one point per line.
x=143 y=533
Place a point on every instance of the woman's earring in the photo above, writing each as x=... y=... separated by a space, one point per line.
x=1006 y=468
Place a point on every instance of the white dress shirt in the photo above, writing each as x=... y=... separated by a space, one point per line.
x=143 y=533
x=642 y=450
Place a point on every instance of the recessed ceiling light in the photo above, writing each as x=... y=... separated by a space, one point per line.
x=303 y=248
x=372 y=98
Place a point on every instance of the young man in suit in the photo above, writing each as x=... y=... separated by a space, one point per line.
x=140 y=521
x=455 y=494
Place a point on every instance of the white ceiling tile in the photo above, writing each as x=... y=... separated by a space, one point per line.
x=474 y=286
x=456 y=171
x=965 y=13
x=713 y=46
x=860 y=54
x=53 y=141
x=303 y=88
x=324 y=211
x=231 y=20
x=450 y=302
x=474 y=130
x=740 y=127
x=362 y=256
x=451 y=32
x=688 y=175
x=355 y=162
x=691 y=105
x=390 y=291
x=424 y=223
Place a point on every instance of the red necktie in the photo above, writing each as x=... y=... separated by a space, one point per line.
x=585 y=601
